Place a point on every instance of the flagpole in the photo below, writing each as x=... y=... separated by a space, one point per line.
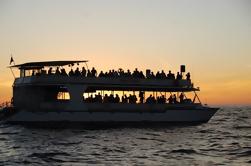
x=12 y=60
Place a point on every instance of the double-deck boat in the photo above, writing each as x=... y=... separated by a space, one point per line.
x=39 y=97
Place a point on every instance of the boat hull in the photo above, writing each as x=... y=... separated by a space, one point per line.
x=180 y=116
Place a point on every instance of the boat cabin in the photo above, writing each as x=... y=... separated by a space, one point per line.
x=44 y=85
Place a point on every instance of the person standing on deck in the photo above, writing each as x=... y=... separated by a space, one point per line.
x=181 y=97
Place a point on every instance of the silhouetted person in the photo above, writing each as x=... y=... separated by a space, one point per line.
x=57 y=71
x=101 y=74
x=169 y=75
x=141 y=97
x=121 y=72
x=77 y=72
x=91 y=99
x=99 y=98
x=161 y=99
x=181 y=97
x=128 y=74
x=63 y=72
x=89 y=74
x=141 y=75
x=158 y=75
x=124 y=99
x=117 y=99
x=50 y=71
x=135 y=73
x=188 y=76
x=150 y=100
x=134 y=99
x=152 y=75
x=83 y=72
x=162 y=74
x=111 y=98
x=170 y=99
x=106 y=99
x=175 y=99
x=94 y=72
x=71 y=73
x=179 y=76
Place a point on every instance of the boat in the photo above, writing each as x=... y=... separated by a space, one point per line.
x=43 y=96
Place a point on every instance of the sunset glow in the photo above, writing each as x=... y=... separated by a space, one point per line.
x=212 y=38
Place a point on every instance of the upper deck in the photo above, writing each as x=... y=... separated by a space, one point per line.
x=93 y=83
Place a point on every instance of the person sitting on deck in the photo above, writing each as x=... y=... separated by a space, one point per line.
x=134 y=99
x=121 y=72
x=170 y=75
x=91 y=99
x=63 y=72
x=83 y=72
x=50 y=71
x=77 y=72
x=161 y=99
x=150 y=100
x=128 y=74
x=188 y=76
x=135 y=73
x=152 y=75
x=162 y=74
x=141 y=75
x=117 y=99
x=106 y=99
x=114 y=74
x=124 y=99
x=101 y=74
x=57 y=71
x=71 y=73
x=111 y=98
x=158 y=75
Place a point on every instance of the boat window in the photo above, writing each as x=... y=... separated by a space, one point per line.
x=63 y=94
x=25 y=73
x=22 y=73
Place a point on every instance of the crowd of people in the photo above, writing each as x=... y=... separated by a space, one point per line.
x=115 y=73
x=132 y=99
x=111 y=99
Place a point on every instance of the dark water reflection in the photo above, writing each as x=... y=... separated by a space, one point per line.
x=225 y=140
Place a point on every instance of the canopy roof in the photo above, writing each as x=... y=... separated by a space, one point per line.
x=40 y=65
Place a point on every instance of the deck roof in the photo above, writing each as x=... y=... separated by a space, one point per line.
x=39 y=65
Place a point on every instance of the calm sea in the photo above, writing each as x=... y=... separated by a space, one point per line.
x=225 y=140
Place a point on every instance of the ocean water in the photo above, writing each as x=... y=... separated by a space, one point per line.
x=224 y=140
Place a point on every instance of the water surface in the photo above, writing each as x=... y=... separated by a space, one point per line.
x=224 y=140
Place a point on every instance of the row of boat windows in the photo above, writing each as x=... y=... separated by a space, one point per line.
x=132 y=98
x=112 y=73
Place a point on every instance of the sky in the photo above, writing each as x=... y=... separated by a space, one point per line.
x=211 y=37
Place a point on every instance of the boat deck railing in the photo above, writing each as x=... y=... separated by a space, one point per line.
x=104 y=82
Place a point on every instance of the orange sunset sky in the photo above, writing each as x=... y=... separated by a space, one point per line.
x=211 y=37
